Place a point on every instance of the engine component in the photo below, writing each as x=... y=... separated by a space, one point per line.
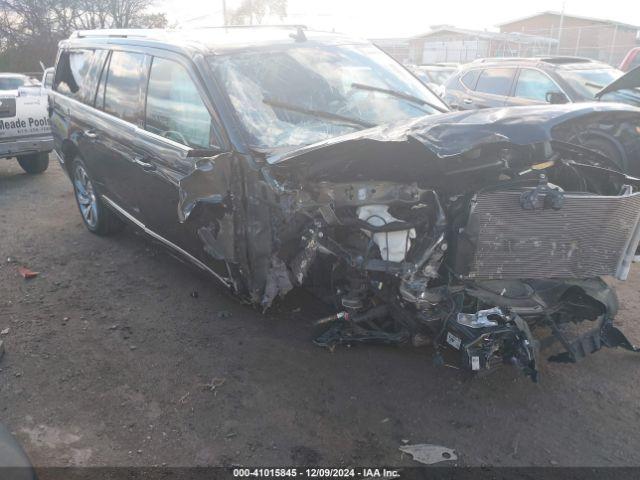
x=489 y=338
x=394 y=245
x=480 y=319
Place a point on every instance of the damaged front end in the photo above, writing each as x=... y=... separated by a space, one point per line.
x=485 y=238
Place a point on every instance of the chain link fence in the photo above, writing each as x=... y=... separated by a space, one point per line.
x=606 y=42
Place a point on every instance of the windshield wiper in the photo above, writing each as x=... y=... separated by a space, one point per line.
x=317 y=113
x=394 y=93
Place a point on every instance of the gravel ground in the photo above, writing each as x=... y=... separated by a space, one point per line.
x=112 y=360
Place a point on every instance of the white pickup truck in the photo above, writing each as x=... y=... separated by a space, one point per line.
x=25 y=132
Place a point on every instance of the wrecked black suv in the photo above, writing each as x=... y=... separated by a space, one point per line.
x=280 y=157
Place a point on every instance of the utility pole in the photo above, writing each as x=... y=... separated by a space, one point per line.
x=560 y=27
x=224 y=12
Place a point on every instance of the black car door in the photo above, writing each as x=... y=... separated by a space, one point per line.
x=491 y=90
x=120 y=95
x=71 y=100
x=179 y=157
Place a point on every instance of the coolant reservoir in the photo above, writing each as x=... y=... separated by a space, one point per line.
x=393 y=245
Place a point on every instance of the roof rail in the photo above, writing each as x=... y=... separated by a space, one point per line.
x=499 y=59
x=154 y=32
x=116 y=33
x=564 y=59
x=290 y=25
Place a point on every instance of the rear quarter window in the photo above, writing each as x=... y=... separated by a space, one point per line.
x=77 y=73
x=495 y=81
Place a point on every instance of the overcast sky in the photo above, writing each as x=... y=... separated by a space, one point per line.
x=373 y=18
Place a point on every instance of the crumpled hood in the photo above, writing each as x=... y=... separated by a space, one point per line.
x=631 y=79
x=431 y=139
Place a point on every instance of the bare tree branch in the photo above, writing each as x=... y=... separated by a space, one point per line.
x=31 y=29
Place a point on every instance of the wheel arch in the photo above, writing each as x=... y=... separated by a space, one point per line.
x=610 y=140
x=69 y=153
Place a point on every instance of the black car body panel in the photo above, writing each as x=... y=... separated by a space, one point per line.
x=382 y=222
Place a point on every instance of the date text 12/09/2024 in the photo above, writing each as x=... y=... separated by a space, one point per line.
x=315 y=473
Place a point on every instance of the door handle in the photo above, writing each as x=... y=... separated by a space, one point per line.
x=141 y=161
x=90 y=134
x=468 y=101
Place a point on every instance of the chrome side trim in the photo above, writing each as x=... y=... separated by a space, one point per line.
x=160 y=238
x=59 y=157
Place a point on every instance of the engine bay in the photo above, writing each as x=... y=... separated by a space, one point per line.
x=475 y=271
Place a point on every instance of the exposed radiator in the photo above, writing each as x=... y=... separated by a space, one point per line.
x=589 y=236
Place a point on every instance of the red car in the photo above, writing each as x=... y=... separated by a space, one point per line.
x=631 y=60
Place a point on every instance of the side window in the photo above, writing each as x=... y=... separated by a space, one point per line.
x=125 y=82
x=470 y=78
x=534 y=85
x=496 y=81
x=77 y=73
x=175 y=109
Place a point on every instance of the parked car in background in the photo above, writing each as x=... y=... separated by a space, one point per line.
x=533 y=81
x=631 y=60
x=25 y=133
x=10 y=82
x=274 y=157
x=434 y=75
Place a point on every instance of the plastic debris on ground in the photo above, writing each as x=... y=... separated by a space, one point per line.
x=26 y=273
x=429 y=454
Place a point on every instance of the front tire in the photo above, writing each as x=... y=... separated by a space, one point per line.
x=96 y=216
x=34 y=163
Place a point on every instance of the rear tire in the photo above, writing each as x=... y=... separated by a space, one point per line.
x=97 y=217
x=34 y=163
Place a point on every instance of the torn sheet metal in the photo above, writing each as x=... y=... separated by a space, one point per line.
x=278 y=283
x=421 y=147
x=629 y=80
x=208 y=183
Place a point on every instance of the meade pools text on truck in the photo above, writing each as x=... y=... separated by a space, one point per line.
x=25 y=132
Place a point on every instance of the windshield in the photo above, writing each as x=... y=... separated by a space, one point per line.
x=305 y=94
x=11 y=83
x=589 y=82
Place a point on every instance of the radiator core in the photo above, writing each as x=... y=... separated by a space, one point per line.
x=589 y=236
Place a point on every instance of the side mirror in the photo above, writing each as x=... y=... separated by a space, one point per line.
x=556 y=98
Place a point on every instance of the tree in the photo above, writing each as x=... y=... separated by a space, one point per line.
x=31 y=29
x=252 y=12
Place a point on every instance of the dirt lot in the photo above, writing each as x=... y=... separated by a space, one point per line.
x=110 y=360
